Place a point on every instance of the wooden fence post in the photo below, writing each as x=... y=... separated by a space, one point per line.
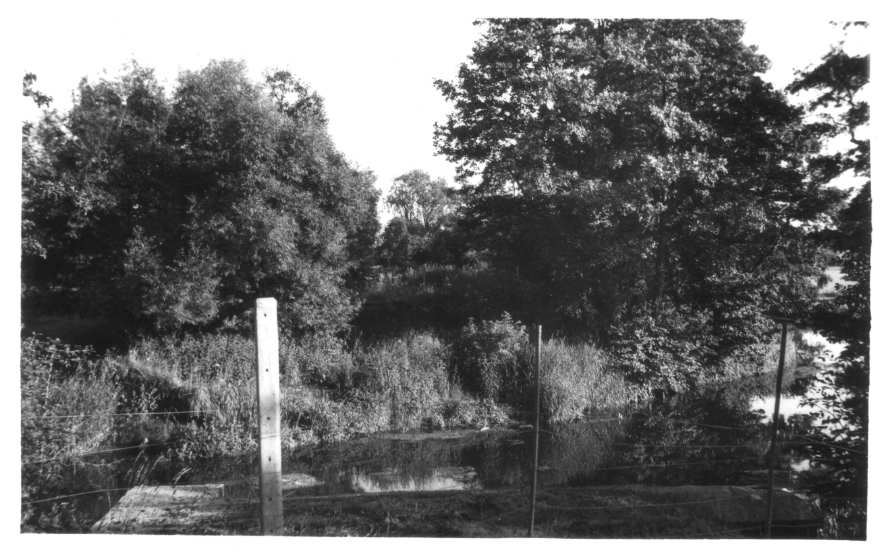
x=774 y=424
x=268 y=400
x=536 y=430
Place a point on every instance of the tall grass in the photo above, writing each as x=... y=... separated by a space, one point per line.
x=177 y=403
x=410 y=376
x=576 y=380
x=193 y=397
x=496 y=360
x=60 y=384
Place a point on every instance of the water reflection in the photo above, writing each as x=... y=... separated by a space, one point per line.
x=392 y=480
x=713 y=437
x=790 y=405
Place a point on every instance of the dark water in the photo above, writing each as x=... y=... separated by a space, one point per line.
x=457 y=460
x=636 y=449
x=712 y=437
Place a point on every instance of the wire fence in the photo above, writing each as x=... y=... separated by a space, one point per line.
x=141 y=446
x=71 y=495
x=250 y=503
x=131 y=414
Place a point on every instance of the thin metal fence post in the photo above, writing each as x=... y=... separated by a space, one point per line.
x=536 y=429
x=268 y=401
x=774 y=424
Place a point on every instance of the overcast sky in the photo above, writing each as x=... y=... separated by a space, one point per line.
x=374 y=67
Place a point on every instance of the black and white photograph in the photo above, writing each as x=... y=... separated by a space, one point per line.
x=488 y=270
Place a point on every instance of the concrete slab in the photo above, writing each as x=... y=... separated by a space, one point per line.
x=154 y=509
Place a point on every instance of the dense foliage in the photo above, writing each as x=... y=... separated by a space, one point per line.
x=839 y=110
x=638 y=170
x=175 y=211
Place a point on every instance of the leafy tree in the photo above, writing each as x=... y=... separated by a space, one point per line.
x=419 y=199
x=182 y=209
x=394 y=247
x=666 y=150
x=839 y=110
x=425 y=209
x=73 y=182
x=34 y=172
x=41 y=99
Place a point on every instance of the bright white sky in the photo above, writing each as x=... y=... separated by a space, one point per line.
x=373 y=67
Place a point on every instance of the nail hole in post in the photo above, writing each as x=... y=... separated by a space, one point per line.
x=268 y=403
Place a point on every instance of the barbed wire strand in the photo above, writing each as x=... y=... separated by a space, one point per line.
x=67 y=496
x=133 y=414
x=145 y=445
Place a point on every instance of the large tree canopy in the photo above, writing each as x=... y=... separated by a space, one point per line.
x=178 y=210
x=681 y=169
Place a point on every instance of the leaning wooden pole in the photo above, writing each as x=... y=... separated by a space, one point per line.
x=536 y=429
x=268 y=400
x=774 y=424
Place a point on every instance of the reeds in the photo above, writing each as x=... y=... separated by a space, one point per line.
x=170 y=404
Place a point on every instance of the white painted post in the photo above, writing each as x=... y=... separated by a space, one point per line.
x=268 y=399
x=536 y=430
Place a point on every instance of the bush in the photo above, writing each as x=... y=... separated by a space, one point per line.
x=334 y=421
x=319 y=360
x=661 y=353
x=485 y=353
x=496 y=360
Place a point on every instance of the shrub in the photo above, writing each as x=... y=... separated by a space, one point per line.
x=485 y=353
x=333 y=421
x=661 y=353
x=496 y=360
x=319 y=360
